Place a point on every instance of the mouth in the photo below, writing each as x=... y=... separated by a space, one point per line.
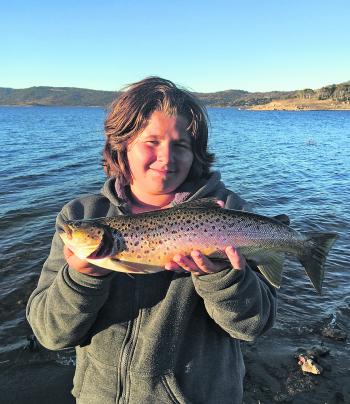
x=163 y=171
x=105 y=248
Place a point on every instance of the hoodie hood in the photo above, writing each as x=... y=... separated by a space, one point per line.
x=186 y=192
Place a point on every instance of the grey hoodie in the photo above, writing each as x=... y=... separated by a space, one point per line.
x=160 y=338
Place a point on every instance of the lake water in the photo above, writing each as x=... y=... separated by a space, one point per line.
x=296 y=163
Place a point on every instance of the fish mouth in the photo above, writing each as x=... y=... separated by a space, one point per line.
x=104 y=249
x=67 y=231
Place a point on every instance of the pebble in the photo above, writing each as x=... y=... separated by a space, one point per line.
x=308 y=365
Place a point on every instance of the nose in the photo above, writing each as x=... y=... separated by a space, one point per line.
x=166 y=153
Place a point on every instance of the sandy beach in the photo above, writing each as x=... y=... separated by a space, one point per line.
x=38 y=376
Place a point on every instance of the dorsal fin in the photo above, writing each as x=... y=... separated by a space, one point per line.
x=282 y=218
x=204 y=203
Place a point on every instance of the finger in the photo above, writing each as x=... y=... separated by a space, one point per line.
x=207 y=265
x=186 y=263
x=67 y=252
x=220 y=203
x=202 y=262
x=236 y=259
x=172 y=266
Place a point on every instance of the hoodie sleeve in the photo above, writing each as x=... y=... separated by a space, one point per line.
x=65 y=304
x=240 y=302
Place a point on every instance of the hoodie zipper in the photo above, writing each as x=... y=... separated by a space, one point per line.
x=128 y=350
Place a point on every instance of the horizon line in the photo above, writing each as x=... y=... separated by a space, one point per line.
x=199 y=92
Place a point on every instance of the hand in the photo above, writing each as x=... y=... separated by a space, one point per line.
x=83 y=266
x=199 y=264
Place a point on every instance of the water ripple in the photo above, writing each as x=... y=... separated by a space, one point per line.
x=281 y=162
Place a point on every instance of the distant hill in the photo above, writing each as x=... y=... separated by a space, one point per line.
x=333 y=97
x=49 y=96
x=239 y=98
x=70 y=96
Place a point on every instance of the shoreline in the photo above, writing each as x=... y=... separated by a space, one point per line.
x=292 y=104
x=272 y=372
x=297 y=104
x=52 y=105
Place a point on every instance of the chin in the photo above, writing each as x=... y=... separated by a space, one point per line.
x=164 y=187
x=161 y=190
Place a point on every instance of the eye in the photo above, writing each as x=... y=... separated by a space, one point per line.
x=152 y=142
x=183 y=145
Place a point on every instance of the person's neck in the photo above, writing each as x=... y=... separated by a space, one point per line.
x=147 y=202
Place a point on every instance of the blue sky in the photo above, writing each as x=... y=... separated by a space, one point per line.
x=203 y=45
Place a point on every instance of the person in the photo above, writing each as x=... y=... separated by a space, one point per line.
x=169 y=337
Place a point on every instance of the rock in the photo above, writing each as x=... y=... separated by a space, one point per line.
x=308 y=365
x=334 y=333
x=32 y=345
x=299 y=351
x=317 y=351
x=282 y=398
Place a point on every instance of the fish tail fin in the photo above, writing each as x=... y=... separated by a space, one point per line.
x=314 y=256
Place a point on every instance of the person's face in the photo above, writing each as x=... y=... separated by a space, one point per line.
x=161 y=156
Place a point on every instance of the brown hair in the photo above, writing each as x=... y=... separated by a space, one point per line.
x=129 y=115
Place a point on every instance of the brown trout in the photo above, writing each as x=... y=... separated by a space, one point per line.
x=145 y=242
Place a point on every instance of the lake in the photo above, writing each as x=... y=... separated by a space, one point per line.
x=296 y=163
